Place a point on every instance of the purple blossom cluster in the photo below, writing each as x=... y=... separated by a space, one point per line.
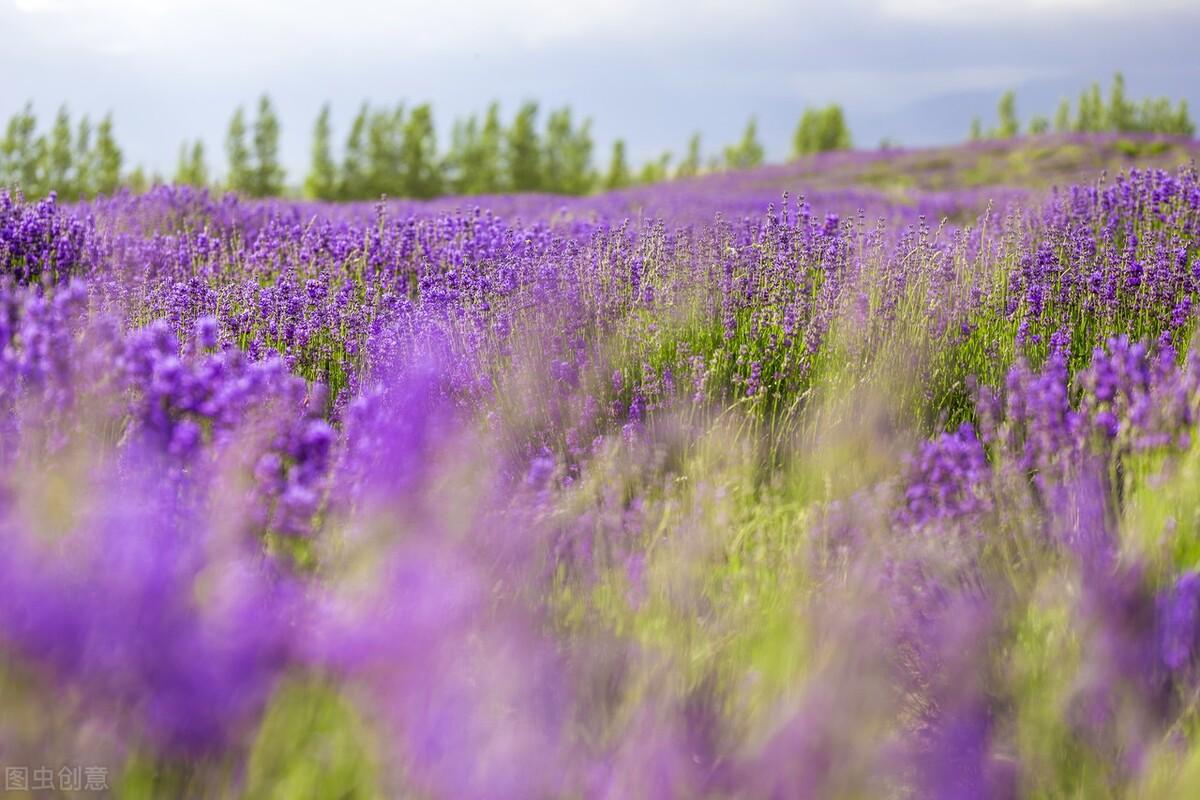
x=571 y=506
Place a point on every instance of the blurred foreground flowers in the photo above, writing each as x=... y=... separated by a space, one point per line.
x=452 y=506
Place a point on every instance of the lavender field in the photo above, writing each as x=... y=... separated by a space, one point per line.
x=872 y=475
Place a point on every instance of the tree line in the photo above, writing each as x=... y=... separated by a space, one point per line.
x=76 y=160
x=387 y=151
x=1091 y=114
x=394 y=151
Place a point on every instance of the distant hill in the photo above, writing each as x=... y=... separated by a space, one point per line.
x=1035 y=162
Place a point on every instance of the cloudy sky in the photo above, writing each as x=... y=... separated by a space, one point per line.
x=652 y=71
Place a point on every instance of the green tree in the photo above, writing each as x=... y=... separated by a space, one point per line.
x=267 y=175
x=656 y=171
x=353 y=185
x=976 y=129
x=19 y=161
x=618 y=169
x=1039 y=125
x=1089 y=116
x=1155 y=115
x=322 y=180
x=748 y=152
x=689 y=167
x=1062 y=117
x=84 y=178
x=419 y=164
x=58 y=154
x=554 y=151
x=490 y=172
x=523 y=151
x=567 y=155
x=384 y=171
x=241 y=174
x=459 y=162
x=1006 y=110
x=821 y=130
x=137 y=180
x=108 y=158
x=837 y=132
x=1182 y=124
x=191 y=169
x=579 y=177
x=1121 y=113
x=474 y=163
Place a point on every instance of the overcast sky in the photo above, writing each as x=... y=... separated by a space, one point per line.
x=652 y=71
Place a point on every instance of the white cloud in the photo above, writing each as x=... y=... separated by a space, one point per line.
x=243 y=31
x=420 y=25
x=975 y=11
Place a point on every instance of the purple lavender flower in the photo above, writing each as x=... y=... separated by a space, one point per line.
x=206 y=332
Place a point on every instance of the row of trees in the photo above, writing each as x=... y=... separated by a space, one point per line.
x=76 y=160
x=394 y=152
x=387 y=151
x=1092 y=115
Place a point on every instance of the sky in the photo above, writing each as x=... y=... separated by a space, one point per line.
x=650 y=71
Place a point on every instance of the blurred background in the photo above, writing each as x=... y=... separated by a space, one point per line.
x=906 y=72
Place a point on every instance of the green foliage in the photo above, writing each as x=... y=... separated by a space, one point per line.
x=396 y=154
x=267 y=174
x=108 y=158
x=353 y=183
x=137 y=180
x=384 y=164
x=18 y=152
x=580 y=177
x=618 y=169
x=1010 y=126
x=83 y=176
x=1094 y=115
x=656 y=171
x=66 y=159
x=1157 y=116
x=523 y=155
x=567 y=155
x=254 y=170
x=311 y=743
x=491 y=174
x=1119 y=116
x=59 y=153
x=748 y=152
x=976 y=129
x=1039 y=125
x=1089 y=117
x=421 y=173
x=1062 y=117
x=1138 y=149
x=240 y=177
x=821 y=130
x=558 y=137
x=322 y=180
x=689 y=167
x=463 y=162
x=191 y=169
x=473 y=164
